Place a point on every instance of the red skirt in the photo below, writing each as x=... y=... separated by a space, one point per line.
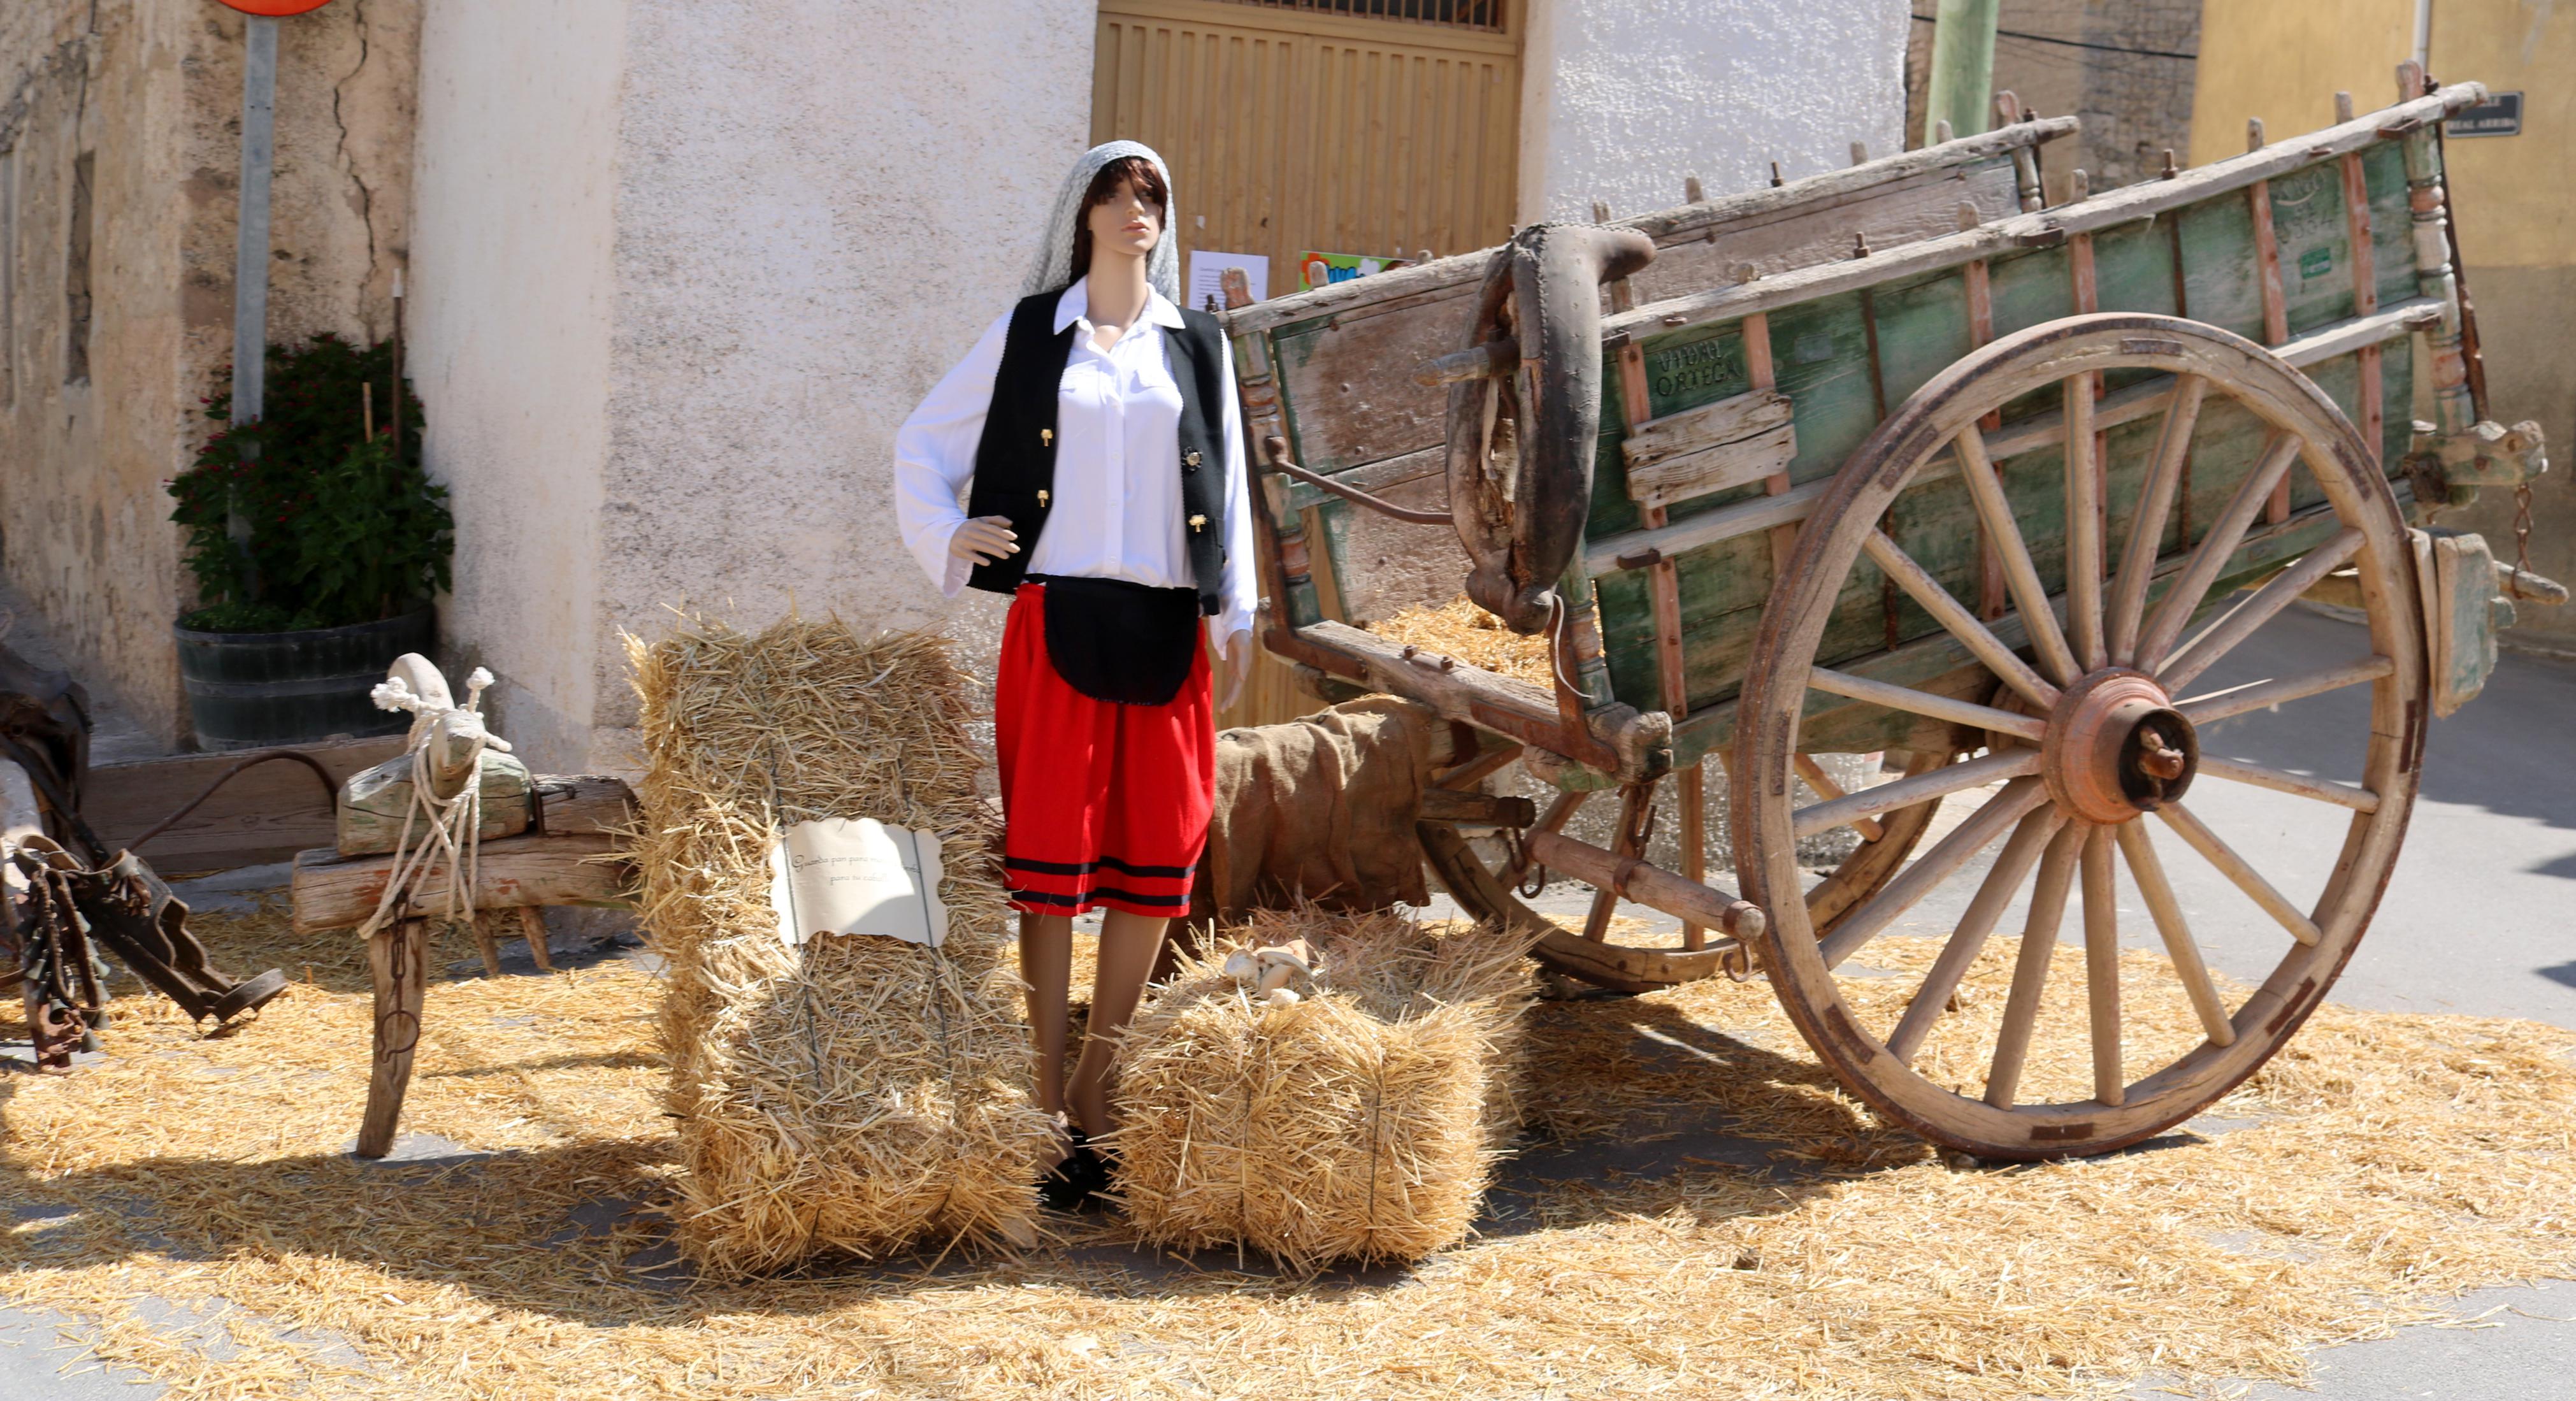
x=1103 y=804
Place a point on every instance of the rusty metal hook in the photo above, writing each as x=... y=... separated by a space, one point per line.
x=1277 y=448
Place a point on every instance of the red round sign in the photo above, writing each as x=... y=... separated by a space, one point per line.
x=277 y=9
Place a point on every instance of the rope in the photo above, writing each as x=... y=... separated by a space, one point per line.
x=450 y=828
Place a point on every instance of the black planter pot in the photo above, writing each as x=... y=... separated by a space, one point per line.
x=247 y=690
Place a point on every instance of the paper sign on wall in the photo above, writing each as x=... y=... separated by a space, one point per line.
x=1207 y=276
x=857 y=876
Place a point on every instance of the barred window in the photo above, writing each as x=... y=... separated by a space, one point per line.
x=1486 y=15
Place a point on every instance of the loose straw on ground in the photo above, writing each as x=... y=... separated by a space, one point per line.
x=2378 y=1167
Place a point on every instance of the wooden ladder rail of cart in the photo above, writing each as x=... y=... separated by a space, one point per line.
x=1899 y=460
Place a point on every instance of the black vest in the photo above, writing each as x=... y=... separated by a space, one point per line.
x=1015 y=461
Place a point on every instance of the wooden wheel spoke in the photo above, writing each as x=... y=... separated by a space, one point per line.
x=2017 y=801
x=1956 y=619
x=2296 y=784
x=1906 y=792
x=2265 y=604
x=2030 y=965
x=2237 y=869
x=1823 y=782
x=2021 y=577
x=2155 y=505
x=1969 y=939
x=2138 y=847
x=2220 y=705
x=1939 y=707
x=2083 y=526
x=2102 y=966
x=2214 y=550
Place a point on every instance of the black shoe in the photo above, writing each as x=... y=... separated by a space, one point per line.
x=1072 y=1183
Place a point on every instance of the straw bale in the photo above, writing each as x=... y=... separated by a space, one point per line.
x=1358 y=1123
x=1460 y=629
x=858 y=1094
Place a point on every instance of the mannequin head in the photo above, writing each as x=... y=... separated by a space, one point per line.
x=1123 y=214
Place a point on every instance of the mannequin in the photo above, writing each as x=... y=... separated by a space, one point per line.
x=1105 y=727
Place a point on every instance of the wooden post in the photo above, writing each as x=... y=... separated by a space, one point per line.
x=398 y=955
x=532 y=924
x=1981 y=329
x=2267 y=272
x=1963 y=65
x=1665 y=588
x=1759 y=373
x=2365 y=288
x=2088 y=299
x=486 y=943
x=2454 y=409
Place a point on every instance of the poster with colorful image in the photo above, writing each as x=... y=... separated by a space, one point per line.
x=1320 y=269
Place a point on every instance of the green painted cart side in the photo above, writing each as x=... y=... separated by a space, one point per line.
x=1899 y=461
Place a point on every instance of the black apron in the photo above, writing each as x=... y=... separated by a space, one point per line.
x=1128 y=644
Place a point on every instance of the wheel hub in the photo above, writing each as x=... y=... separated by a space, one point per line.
x=2116 y=747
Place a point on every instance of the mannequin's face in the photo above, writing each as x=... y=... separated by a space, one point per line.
x=1125 y=224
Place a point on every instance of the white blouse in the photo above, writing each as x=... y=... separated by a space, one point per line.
x=1116 y=512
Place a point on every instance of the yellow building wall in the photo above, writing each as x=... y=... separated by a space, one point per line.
x=2284 y=60
x=2513 y=198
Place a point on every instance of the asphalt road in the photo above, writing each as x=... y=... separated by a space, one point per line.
x=2480 y=918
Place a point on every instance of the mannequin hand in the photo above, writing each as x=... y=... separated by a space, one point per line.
x=984 y=540
x=1237 y=651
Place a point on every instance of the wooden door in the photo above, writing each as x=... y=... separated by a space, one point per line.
x=1374 y=127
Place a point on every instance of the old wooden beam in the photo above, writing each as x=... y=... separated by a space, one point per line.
x=268 y=813
x=1446 y=274
x=2130 y=205
x=336 y=892
x=1633 y=879
x=1477 y=809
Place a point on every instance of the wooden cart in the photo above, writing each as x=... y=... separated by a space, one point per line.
x=1898 y=460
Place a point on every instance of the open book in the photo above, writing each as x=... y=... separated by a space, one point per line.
x=845 y=875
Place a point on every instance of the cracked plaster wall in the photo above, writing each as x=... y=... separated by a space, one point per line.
x=150 y=92
x=820 y=205
x=809 y=209
x=1623 y=98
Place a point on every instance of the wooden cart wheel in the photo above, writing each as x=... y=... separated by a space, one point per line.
x=2096 y=730
x=1611 y=962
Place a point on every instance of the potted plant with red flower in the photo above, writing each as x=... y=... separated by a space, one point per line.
x=317 y=543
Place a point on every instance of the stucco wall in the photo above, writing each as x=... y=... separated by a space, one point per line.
x=681 y=270
x=820 y=204
x=148 y=93
x=1623 y=98
x=512 y=278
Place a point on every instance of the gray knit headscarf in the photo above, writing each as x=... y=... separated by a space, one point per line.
x=1054 y=268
